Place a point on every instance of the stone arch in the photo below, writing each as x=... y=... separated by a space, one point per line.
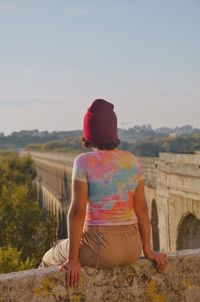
x=154 y=225
x=60 y=224
x=64 y=225
x=188 y=233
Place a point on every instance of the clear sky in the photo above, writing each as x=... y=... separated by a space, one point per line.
x=56 y=56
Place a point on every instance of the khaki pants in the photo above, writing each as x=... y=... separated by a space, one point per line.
x=100 y=247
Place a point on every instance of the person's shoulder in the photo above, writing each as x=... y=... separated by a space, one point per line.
x=83 y=157
x=79 y=159
x=131 y=156
x=80 y=156
x=128 y=154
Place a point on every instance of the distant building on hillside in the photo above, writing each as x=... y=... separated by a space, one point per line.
x=173 y=134
x=184 y=130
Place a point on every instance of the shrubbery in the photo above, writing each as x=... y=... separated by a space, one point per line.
x=26 y=231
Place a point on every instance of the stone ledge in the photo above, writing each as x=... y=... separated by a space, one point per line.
x=133 y=283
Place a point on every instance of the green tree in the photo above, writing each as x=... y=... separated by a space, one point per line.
x=145 y=149
x=178 y=145
x=11 y=260
x=25 y=230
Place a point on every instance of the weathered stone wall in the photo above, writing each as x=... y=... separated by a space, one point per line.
x=172 y=185
x=150 y=170
x=54 y=185
x=134 y=283
x=54 y=176
x=177 y=195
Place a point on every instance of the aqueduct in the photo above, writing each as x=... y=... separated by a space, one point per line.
x=172 y=188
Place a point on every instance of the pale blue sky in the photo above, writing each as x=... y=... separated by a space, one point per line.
x=57 y=56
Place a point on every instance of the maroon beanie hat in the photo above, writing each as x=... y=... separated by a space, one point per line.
x=100 y=123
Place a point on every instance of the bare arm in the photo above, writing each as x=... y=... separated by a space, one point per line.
x=75 y=222
x=76 y=217
x=141 y=210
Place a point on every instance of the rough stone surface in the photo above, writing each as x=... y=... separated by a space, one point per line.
x=135 y=283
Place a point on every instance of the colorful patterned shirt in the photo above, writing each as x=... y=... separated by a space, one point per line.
x=112 y=176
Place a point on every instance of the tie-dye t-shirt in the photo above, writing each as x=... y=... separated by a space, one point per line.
x=112 y=176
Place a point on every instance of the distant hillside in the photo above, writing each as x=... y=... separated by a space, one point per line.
x=144 y=146
x=68 y=145
x=141 y=140
x=19 y=140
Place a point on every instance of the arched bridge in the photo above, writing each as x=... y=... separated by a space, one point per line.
x=172 y=188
